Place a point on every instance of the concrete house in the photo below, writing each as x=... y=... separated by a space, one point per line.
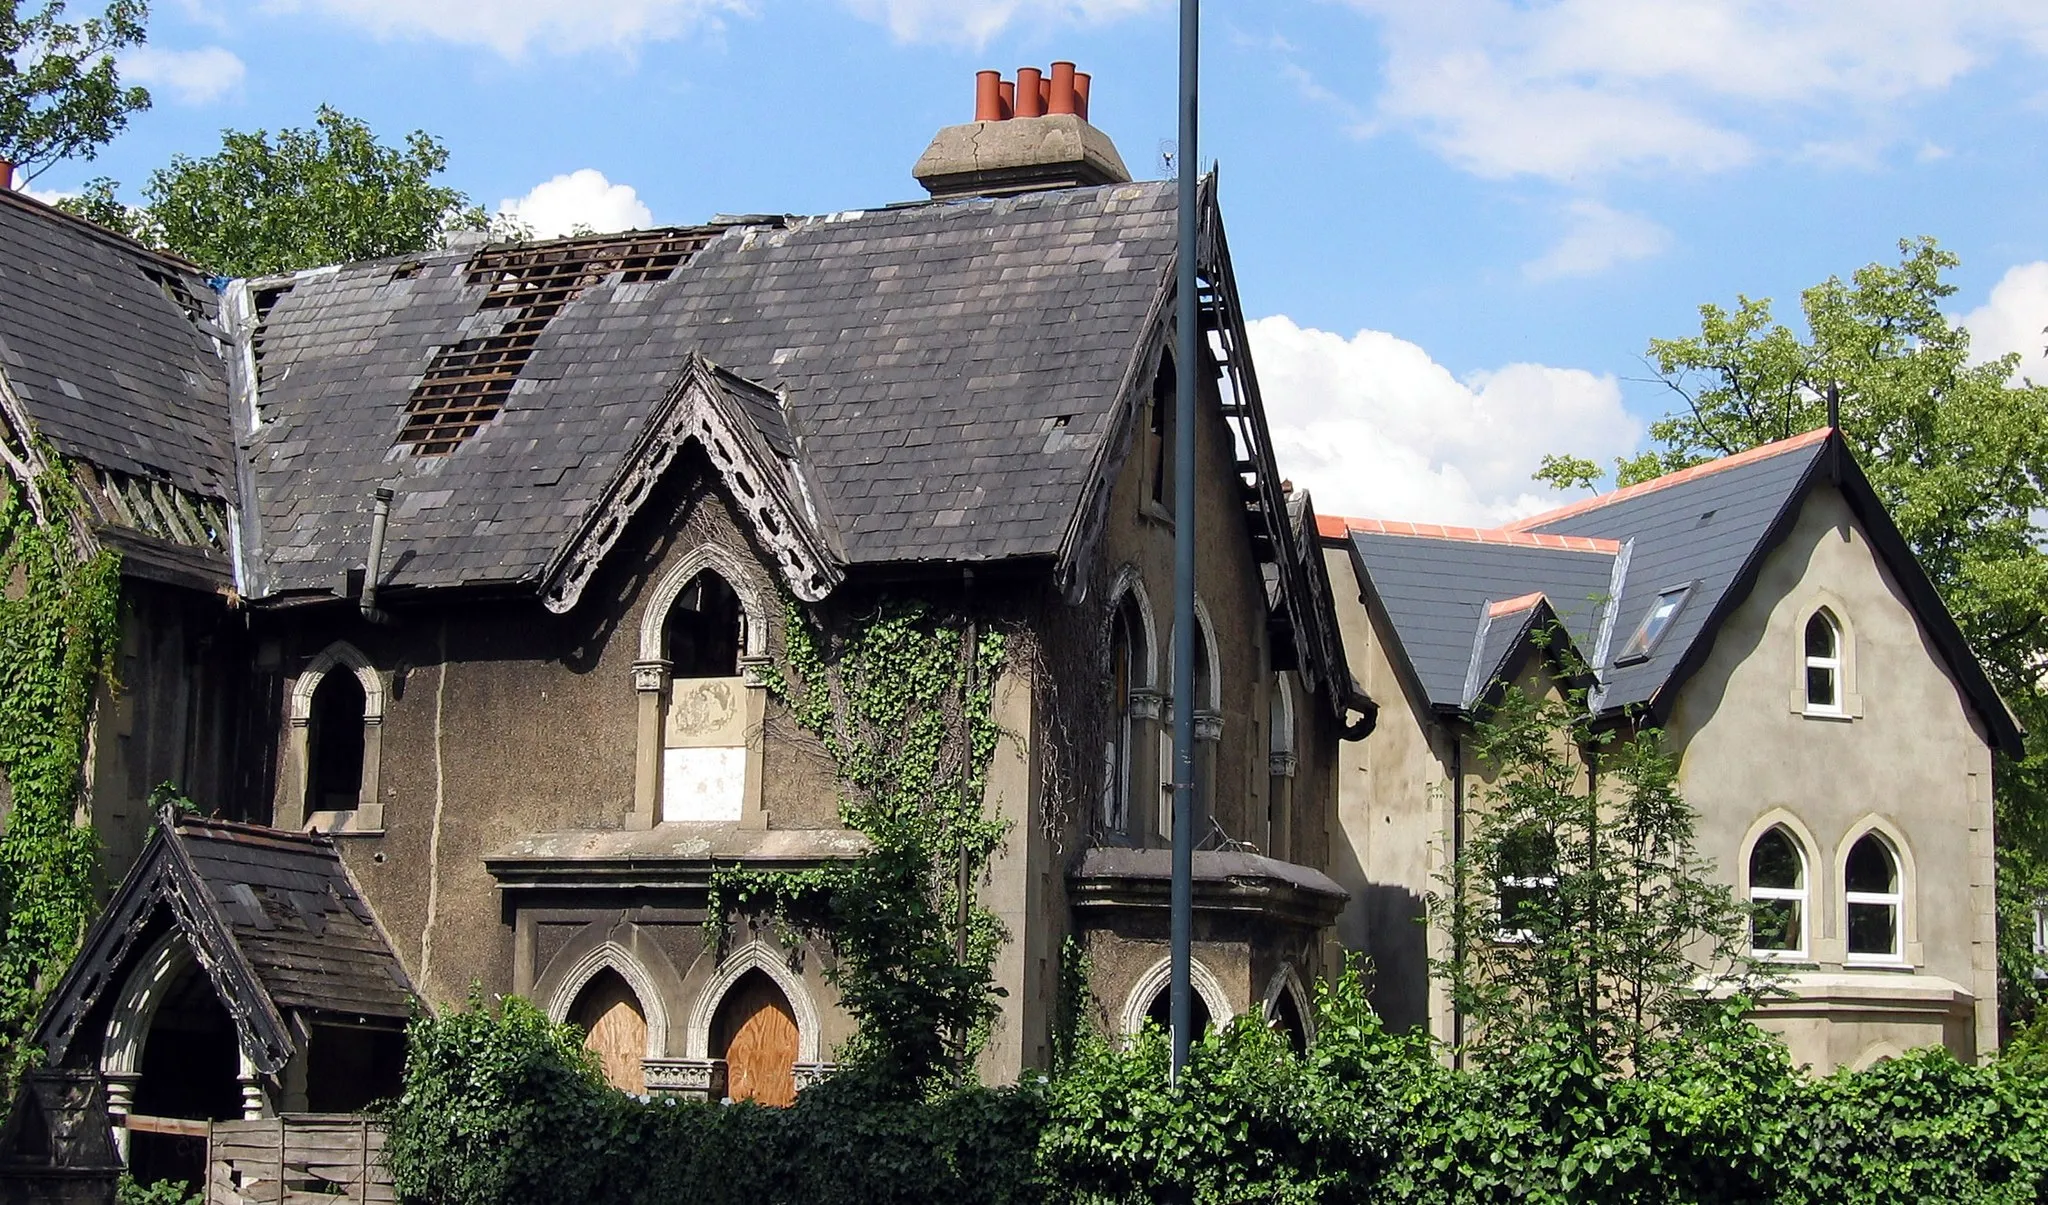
x=1832 y=729
x=505 y=537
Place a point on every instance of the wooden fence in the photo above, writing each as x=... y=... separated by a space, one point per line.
x=298 y=1159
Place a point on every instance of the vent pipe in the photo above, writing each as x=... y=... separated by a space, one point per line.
x=380 y=518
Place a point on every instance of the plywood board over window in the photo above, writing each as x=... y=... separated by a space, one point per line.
x=616 y=1030
x=759 y=1036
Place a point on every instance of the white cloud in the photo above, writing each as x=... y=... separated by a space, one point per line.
x=1563 y=89
x=974 y=22
x=1598 y=239
x=511 y=27
x=192 y=77
x=583 y=199
x=1376 y=428
x=47 y=197
x=2013 y=320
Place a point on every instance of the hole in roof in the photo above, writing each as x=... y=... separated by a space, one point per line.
x=406 y=271
x=466 y=383
x=1707 y=518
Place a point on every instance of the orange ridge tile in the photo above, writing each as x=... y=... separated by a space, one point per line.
x=1750 y=456
x=1333 y=527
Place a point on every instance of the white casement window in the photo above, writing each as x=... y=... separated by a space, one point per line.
x=1823 y=643
x=1778 y=896
x=2041 y=938
x=1526 y=885
x=1875 y=901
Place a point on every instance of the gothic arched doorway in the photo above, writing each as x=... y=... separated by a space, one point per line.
x=191 y=1068
x=755 y=1033
x=615 y=1027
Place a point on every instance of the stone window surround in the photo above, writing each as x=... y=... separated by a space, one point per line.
x=1138 y=1004
x=697 y=1073
x=1910 y=952
x=1827 y=927
x=1282 y=762
x=652 y=676
x=367 y=819
x=1286 y=981
x=1146 y=707
x=1809 y=900
x=1810 y=602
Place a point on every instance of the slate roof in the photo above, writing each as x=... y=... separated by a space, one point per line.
x=1692 y=527
x=947 y=373
x=273 y=918
x=1708 y=528
x=110 y=348
x=1436 y=592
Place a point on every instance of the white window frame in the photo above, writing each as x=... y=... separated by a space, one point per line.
x=1832 y=664
x=1803 y=896
x=1895 y=899
x=2041 y=937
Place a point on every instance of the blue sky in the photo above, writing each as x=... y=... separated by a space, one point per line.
x=1459 y=220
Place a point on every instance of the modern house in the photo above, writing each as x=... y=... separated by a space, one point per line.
x=1832 y=728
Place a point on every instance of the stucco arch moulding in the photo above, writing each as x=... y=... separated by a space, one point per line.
x=730 y=568
x=772 y=962
x=609 y=955
x=1130 y=581
x=1139 y=1003
x=1214 y=703
x=340 y=653
x=135 y=1008
x=1286 y=982
x=1909 y=881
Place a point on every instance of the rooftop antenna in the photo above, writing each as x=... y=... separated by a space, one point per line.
x=1187 y=348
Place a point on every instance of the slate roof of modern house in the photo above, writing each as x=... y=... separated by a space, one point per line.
x=941 y=376
x=272 y=916
x=110 y=348
x=1601 y=565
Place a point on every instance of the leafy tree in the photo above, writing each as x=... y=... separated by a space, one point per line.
x=1578 y=908
x=60 y=95
x=305 y=197
x=1958 y=453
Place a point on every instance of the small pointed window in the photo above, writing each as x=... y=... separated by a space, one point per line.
x=705 y=630
x=336 y=737
x=1777 y=896
x=1126 y=639
x=1875 y=900
x=1823 y=664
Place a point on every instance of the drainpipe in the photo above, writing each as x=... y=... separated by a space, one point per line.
x=379 y=520
x=1188 y=334
x=1458 y=897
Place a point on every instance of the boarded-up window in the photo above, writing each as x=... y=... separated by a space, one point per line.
x=704 y=756
x=616 y=1029
x=755 y=1033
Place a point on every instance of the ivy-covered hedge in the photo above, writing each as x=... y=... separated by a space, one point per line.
x=502 y=1106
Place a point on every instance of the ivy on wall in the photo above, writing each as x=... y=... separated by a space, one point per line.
x=59 y=628
x=900 y=699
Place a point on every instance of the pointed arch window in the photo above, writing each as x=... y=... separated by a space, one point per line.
x=706 y=629
x=699 y=698
x=1823 y=648
x=1779 y=896
x=1875 y=900
x=334 y=779
x=1208 y=734
x=1127 y=658
x=336 y=723
x=1526 y=879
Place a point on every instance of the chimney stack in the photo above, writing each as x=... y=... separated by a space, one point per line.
x=1027 y=135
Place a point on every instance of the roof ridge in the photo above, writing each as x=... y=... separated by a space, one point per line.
x=1521 y=602
x=1335 y=527
x=1675 y=477
x=92 y=229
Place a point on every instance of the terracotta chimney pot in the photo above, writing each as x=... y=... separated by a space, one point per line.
x=6 y=176
x=1008 y=92
x=988 y=96
x=1081 y=80
x=1061 y=98
x=1030 y=92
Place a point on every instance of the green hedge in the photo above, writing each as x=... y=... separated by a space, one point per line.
x=502 y=1106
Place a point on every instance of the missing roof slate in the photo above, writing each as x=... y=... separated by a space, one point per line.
x=466 y=383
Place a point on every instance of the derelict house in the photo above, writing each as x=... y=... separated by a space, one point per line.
x=503 y=538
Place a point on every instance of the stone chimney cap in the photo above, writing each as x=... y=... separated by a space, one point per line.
x=1028 y=135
